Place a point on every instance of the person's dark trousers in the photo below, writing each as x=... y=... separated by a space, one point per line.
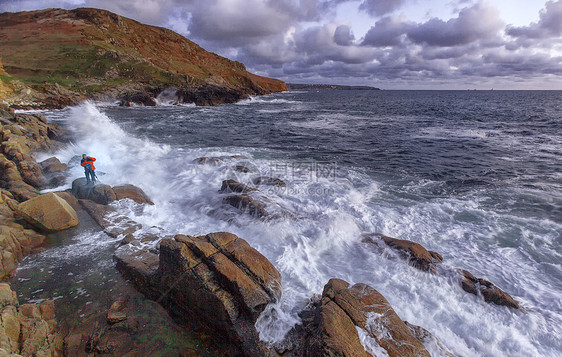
x=90 y=176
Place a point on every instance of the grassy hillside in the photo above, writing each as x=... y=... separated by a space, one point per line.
x=94 y=52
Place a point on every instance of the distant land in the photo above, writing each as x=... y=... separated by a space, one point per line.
x=53 y=58
x=295 y=86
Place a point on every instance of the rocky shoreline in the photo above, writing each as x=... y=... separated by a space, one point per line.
x=214 y=282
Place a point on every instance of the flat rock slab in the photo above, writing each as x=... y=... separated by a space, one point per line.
x=48 y=213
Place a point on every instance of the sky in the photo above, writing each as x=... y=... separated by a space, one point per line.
x=391 y=44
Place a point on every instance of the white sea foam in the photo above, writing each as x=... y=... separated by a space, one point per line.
x=320 y=238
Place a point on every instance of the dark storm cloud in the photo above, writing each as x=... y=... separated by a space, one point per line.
x=343 y=36
x=388 y=31
x=549 y=24
x=478 y=22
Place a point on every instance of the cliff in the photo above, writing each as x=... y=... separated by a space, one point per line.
x=92 y=53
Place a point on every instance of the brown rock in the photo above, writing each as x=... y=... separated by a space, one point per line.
x=48 y=212
x=269 y=181
x=99 y=193
x=28 y=330
x=489 y=291
x=247 y=204
x=234 y=186
x=217 y=279
x=333 y=331
x=117 y=312
x=132 y=192
x=416 y=254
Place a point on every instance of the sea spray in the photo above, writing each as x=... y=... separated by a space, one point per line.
x=506 y=233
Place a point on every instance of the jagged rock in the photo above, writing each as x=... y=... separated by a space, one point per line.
x=235 y=186
x=117 y=312
x=218 y=279
x=427 y=338
x=247 y=204
x=28 y=330
x=216 y=160
x=113 y=226
x=489 y=291
x=140 y=98
x=415 y=253
x=330 y=329
x=48 y=212
x=269 y=181
x=426 y=260
x=242 y=169
x=54 y=171
x=99 y=193
x=132 y=192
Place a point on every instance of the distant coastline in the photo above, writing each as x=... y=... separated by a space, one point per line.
x=294 y=86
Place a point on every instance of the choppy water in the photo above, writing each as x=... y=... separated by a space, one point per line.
x=475 y=176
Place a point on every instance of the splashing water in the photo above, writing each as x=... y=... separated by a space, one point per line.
x=317 y=233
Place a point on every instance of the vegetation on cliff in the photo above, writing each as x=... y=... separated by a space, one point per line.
x=86 y=53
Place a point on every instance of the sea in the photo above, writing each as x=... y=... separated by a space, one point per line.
x=473 y=175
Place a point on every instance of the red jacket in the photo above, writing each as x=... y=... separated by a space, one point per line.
x=88 y=160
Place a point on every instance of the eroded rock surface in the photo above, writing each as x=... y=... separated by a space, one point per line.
x=332 y=326
x=27 y=330
x=218 y=279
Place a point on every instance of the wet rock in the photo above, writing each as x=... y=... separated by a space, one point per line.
x=113 y=223
x=28 y=330
x=489 y=291
x=134 y=193
x=218 y=279
x=241 y=168
x=269 y=181
x=140 y=98
x=331 y=327
x=415 y=253
x=99 y=193
x=235 y=186
x=216 y=160
x=117 y=312
x=426 y=260
x=427 y=338
x=247 y=204
x=48 y=213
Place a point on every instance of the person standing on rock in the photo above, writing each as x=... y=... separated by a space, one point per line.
x=88 y=165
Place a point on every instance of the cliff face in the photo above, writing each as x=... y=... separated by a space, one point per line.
x=96 y=53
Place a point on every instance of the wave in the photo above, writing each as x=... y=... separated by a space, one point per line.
x=319 y=237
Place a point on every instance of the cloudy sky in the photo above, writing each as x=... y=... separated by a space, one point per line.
x=392 y=44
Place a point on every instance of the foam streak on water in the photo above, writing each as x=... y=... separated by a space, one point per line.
x=502 y=225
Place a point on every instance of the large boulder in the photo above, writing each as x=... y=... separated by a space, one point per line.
x=99 y=193
x=332 y=326
x=48 y=212
x=217 y=279
x=134 y=193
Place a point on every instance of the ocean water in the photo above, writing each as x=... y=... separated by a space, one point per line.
x=473 y=175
